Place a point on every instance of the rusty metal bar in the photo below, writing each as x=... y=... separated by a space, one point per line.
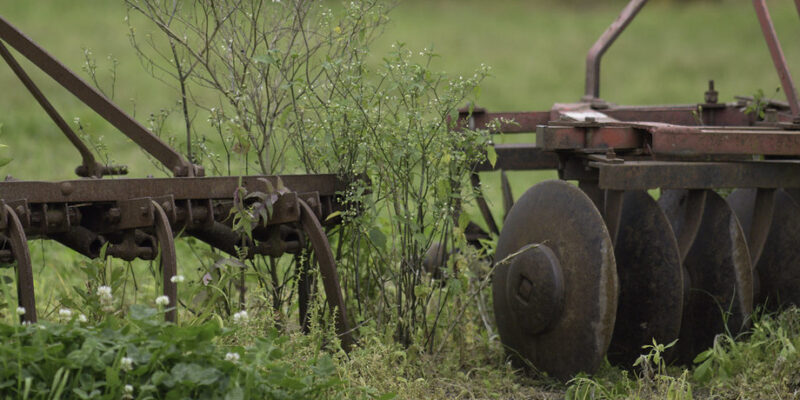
x=528 y=121
x=603 y=43
x=180 y=188
x=88 y=158
x=590 y=137
x=97 y=102
x=775 y=50
x=520 y=156
x=643 y=175
x=681 y=140
x=666 y=139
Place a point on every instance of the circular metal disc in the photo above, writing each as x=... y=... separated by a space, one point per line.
x=721 y=280
x=650 y=279
x=778 y=267
x=559 y=216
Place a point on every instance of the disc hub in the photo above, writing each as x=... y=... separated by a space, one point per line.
x=535 y=288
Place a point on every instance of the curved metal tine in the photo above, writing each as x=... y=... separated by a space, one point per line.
x=169 y=261
x=508 y=197
x=327 y=267
x=19 y=247
x=475 y=179
x=304 y=284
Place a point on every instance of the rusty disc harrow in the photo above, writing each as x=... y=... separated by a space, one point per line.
x=139 y=218
x=691 y=261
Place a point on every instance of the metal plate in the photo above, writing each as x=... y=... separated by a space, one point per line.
x=650 y=279
x=778 y=267
x=559 y=216
x=720 y=279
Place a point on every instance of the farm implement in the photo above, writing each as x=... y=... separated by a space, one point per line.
x=601 y=268
x=131 y=219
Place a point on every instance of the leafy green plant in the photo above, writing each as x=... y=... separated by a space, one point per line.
x=759 y=103
x=145 y=358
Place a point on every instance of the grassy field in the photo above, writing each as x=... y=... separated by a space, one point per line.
x=536 y=50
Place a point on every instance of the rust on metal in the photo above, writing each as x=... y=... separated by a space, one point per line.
x=19 y=249
x=330 y=278
x=775 y=50
x=642 y=175
x=555 y=282
x=678 y=260
x=169 y=260
x=138 y=218
x=650 y=279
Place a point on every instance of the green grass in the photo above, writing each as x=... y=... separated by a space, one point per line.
x=536 y=49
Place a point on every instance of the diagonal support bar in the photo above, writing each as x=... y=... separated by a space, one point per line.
x=775 y=50
x=88 y=158
x=97 y=101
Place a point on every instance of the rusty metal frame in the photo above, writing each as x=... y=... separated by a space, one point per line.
x=775 y=50
x=138 y=218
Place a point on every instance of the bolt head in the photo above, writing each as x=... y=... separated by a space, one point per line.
x=66 y=188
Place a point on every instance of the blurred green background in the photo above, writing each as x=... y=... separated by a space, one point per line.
x=536 y=49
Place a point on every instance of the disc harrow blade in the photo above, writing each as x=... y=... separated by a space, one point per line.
x=720 y=275
x=650 y=279
x=778 y=267
x=555 y=283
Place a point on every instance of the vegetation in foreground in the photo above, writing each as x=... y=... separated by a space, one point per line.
x=423 y=334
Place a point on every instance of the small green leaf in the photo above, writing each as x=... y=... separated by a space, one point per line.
x=377 y=237
x=333 y=215
x=463 y=221
x=491 y=155
x=265 y=59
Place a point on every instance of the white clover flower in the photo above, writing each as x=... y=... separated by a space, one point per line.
x=65 y=313
x=177 y=279
x=20 y=310
x=104 y=292
x=162 y=300
x=232 y=357
x=128 y=389
x=126 y=363
x=82 y=319
x=240 y=317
